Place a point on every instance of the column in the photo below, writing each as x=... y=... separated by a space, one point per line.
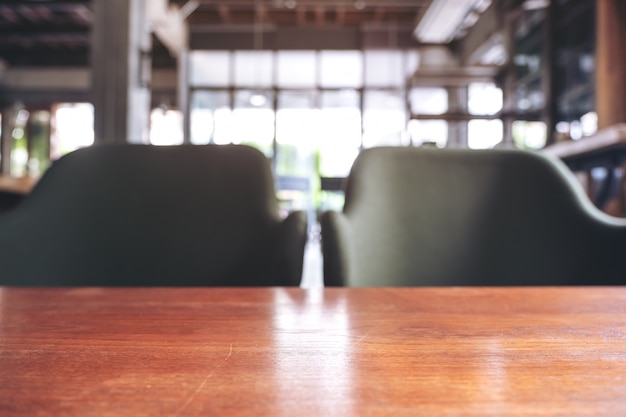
x=6 y=139
x=121 y=46
x=182 y=91
x=610 y=62
x=611 y=81
x=457 y=105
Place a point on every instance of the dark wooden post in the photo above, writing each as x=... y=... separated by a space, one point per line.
x=611 y=62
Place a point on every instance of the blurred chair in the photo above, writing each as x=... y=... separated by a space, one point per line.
x=13 y=190
x=138 y=215
x=9 y=200
x=442 y=217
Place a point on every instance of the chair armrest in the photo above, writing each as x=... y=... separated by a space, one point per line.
x=292 y=237
x=335 y=248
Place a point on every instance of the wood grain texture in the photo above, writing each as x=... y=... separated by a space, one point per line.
x=610 y=72
x=293 y=352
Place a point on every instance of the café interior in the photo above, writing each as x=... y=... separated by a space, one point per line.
x=312 y=208
x=312 y=85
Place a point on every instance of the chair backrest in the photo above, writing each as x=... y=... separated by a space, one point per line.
x=9 y=200
x=461 y=217
x=146 y=215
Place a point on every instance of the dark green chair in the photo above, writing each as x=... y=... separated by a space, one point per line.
x=9 y=200
x=139 y=215
x=443 y=217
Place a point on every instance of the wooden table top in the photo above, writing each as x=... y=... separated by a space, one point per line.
x=293 y=352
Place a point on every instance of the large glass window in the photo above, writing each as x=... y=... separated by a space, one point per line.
x=210 y=68
x=428 y=100
x=166 y=127
x=384 y=119
x=39 y=152
x=428 y=132
x=253 y=120
x=384 y=69
x=339 y=136
x=72 y=128
x=208 y=110
x=253 y=69
x=411 y=63
x=339 y=142
x=19 y=151
x=341 y=69
x=39 y=136
x=296 y=69
x=484 y=99
x=529 y=135
x=311 y=111
x=484 y=134
x=296 y=132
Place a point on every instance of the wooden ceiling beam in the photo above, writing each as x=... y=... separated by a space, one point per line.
x=84 y=14
x=224 y=12
x=44 y=13
x=261 y=12
x=29 y=14
x=340 y=15
x=379 y=14
x=301 y=16
x=9 y=14
x=320 y=15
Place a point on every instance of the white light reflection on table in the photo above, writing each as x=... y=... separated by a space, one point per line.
x=312 y=340
x=491 y=379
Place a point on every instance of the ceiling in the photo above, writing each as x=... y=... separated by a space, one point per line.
x=57 y=33
x=344 y=13
x=45 y=32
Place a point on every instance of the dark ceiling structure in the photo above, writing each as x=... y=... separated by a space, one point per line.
x=54 y=33
x=300 y=13
x=57 y=33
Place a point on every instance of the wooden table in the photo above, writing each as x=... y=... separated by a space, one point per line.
x=13 y=190
x=606 y=144
x=605 y=149
x=294 y=352
x=18 y=185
